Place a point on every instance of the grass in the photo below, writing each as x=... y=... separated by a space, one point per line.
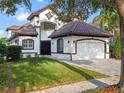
x=40 y=73
x=93 y=91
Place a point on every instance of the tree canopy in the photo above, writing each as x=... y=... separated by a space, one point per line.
x=10 y=6
x=109 y=18
x=80 y=9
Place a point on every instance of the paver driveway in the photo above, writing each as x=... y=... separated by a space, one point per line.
x=107 y=66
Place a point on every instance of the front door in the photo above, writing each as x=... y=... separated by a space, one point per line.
x=45 y=48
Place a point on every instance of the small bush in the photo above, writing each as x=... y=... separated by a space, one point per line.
x=14 y=52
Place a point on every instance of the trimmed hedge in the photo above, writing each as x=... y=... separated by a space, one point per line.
x=14 y=52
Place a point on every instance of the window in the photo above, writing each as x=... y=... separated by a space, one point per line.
x=28 y=44
x=13 y=33
x=60 y=45
x=47 y=26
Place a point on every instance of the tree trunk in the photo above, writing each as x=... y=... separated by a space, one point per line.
x=122 y=57
x=120 y=9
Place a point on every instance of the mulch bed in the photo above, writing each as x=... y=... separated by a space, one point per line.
x=111 y=89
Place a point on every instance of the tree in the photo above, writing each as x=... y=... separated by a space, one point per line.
x=68 y=10
x=111 y=19
x=3 y=41
x=10 y=6
x=90 y=6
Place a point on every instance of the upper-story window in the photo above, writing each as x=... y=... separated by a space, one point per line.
x=47 y=26
x=13 y=33
x=28 y=44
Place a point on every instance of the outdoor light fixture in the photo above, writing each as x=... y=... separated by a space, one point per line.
x=73 y=41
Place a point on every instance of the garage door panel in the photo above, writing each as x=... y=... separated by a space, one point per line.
x=90 y=49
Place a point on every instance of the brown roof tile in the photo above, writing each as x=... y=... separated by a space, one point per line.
x=80 y=29
x=14 y=28
x=27 y=31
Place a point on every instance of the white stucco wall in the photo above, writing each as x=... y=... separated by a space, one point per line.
x=36 y=21
x=9 y=33
x=70 y=47
x=31 y=52
x=66 y=48
x=66 y=43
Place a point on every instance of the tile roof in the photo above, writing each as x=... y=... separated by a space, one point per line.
x=36 y=13
x=79 y=29
x=27 y=31
x=14 y=28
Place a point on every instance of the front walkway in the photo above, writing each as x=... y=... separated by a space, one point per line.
x=81 y=86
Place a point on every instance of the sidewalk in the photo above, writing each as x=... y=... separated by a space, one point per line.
x=81 y=86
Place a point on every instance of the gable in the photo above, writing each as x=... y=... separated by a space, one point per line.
x=38 y=12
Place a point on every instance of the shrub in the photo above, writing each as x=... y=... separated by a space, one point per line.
x=14 y=52
x=3 y=50
x=116 y=49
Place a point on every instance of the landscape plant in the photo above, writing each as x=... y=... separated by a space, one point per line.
x=13 y=52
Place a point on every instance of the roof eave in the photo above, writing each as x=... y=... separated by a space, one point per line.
x=107 y=36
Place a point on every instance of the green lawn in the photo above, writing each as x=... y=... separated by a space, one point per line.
x=93 y=91
x=39 y=73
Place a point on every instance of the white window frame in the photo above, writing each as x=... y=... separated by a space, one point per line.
x=28 y=44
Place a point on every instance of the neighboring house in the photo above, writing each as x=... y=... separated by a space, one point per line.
x=46 y=35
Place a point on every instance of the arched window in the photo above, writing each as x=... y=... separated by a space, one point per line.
x=28 y=44
x=60 y=45
x=48 y=26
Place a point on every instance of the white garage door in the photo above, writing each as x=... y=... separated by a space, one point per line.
x=90 y=49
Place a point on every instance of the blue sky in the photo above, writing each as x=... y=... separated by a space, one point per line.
x=21 y=15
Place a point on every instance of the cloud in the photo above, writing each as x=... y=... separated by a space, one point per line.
x=22 y=16
x=3 y=33
x=40 y=0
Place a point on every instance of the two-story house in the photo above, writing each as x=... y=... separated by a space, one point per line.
x=46 y=35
